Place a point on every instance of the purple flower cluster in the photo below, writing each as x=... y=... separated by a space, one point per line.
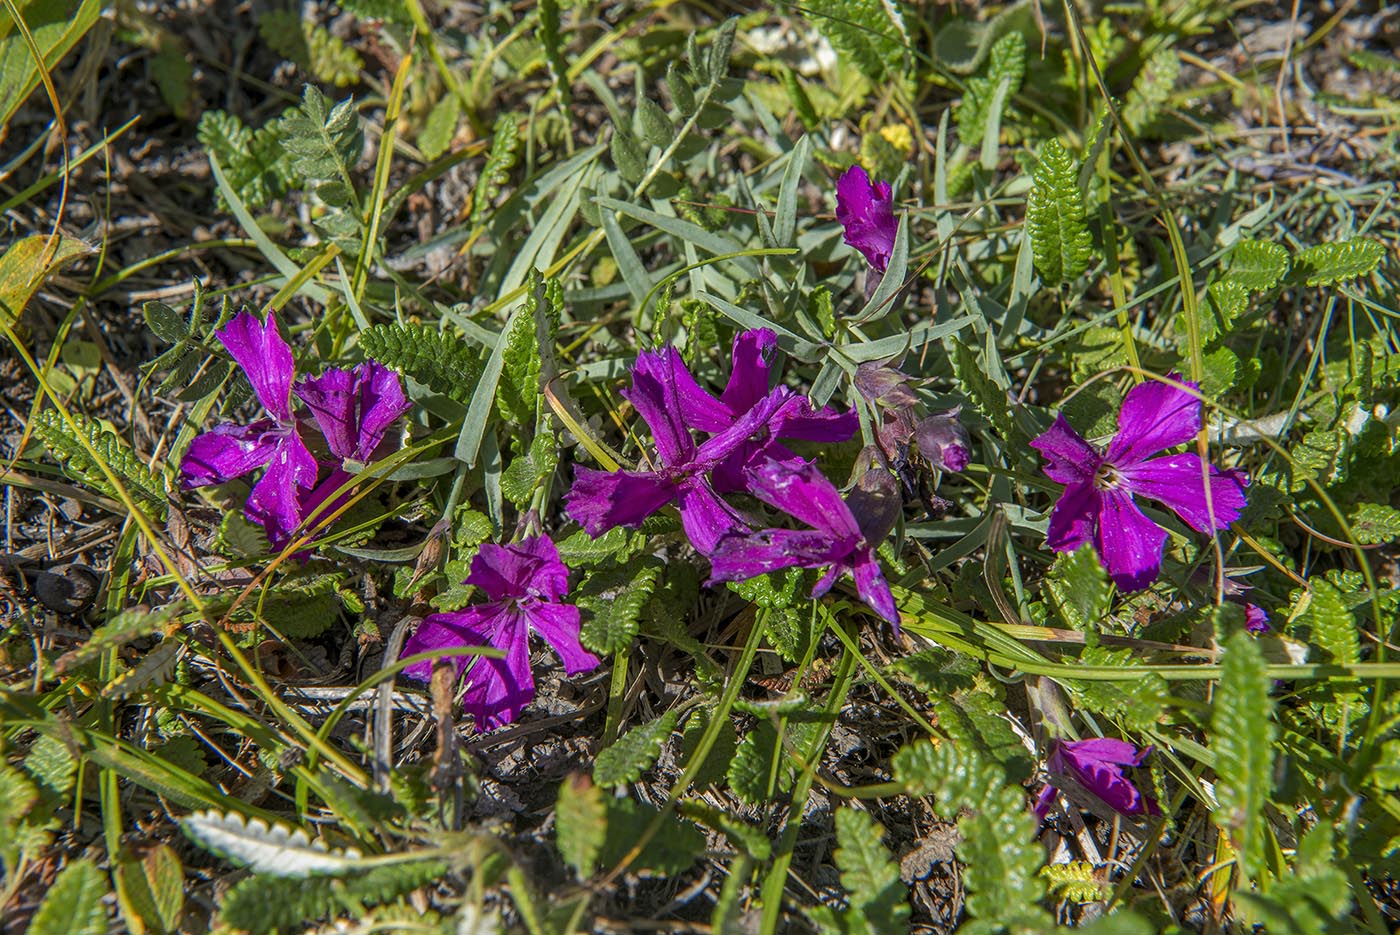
x=741 y=453
x=524 y=584
x=1098 y=502
x=352 y=409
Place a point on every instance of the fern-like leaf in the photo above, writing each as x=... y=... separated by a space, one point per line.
x=276 y=851
x=634 y=752
x=1330 y=263
x=870 y=34
x=1243 y=731
x=1055 y=217
x=440 y=360
x=68 y=450
x=324 y=142
x=1006 y=64
x=1150 y=91
x=151 y=670
x=1257 y=265
x=877 y=896
x=553 y=43
x=505 y=153
x=1330 y=622
x=616 y=598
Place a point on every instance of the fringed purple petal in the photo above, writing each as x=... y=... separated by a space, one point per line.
x=866 y=210
x=752 y=356
x=499 y=689
x=471 y=626
x=654 y=395
x=354 y=408
x=1176 y=481
x=1129 y=544
x=705 y=517
x=600 y=500
x=1097 y=765
x=873 y=588
x=265 y=358
x=528 y=568
x=1072 y=521
x=228 y=451
x=801 y=490
x=275 y=503
x=559 y=625
x=1069 y=459
x=739 y=558
x=1155 y=416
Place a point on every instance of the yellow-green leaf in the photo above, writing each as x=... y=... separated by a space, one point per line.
x=28 y=262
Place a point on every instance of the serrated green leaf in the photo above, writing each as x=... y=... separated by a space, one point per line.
x=1374 y=523
x=761 y=759
x=500 y=162
x=440 y=360
x=580 y=823
x=1151 y=90
x=1331 y=624
x=616 y=598
x=53 y=767
x=1137 y=704
x=440 y=126
x=1329 y=263
x=1078 y=589
x=1005 y=65
x=68 y=450
x=878 y=898
x=1257 y=265
x=581 y=550
x=276 y=850
x=670 y=852
x=634 y=752
x=989 y=398
x=1220 y=369
x=1243 y=736
x=869 y=34
x=73 y=904
x=1055 y=217
x=717 y=762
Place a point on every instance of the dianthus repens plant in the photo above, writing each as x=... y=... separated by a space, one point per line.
x=848 y=467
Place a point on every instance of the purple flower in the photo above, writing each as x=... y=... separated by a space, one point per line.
x=354 y=409
x=1256 y=619
x=744 y=421
x=836 y=540
x=748 y=388
x=229 y=451
x=1098 y=503
x=1097 y=766
x=524 y=584
x=866 y=210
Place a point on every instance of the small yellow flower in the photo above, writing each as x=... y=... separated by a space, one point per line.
x=898 y=136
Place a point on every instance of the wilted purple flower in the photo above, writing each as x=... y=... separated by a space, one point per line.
x=748 y=388
x=1256 y=618
x=837 y=540
x=744 y=422
x=1097 y=766
x=228 y=451
x=866 y=210
x=1097 y=503
x=524 y=584
x=943 y=441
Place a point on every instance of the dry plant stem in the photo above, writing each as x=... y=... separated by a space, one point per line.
x=384 y=704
